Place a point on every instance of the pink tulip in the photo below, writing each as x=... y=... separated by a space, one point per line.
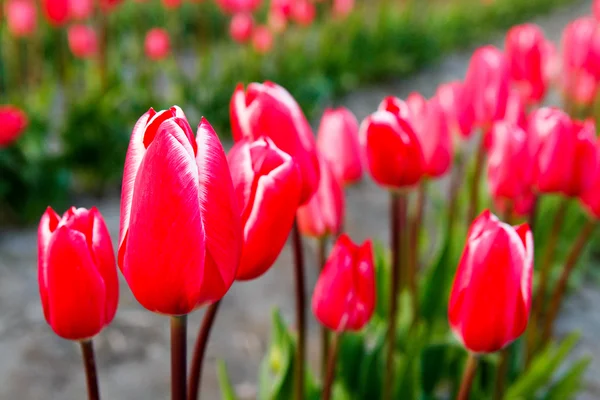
x=262 y=39
x=81 y=9
x=82 y=41
x=241 y=27
x=459 y=112
x=277 y=21
x=238 y=6
x=21 y=18
x=337 y=141
x=303 y=12
x=341 y=8
x=157 y=45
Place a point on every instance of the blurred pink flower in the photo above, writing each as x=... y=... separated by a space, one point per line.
x=81 y=9
x=240 y=27
x=158 y=44
x=21 y=17
x=262 y=39
x=83 y=41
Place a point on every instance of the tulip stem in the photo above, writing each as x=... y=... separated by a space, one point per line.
x=331 y=362
x=533 y=214
x=398 y=221
x=455 y=185
x=178 y=357
x=468 y=377
x=87 y=351
x=300 y=312
x=195 y=377
x=322 y=250
x=476 y=182
x=501 y=373
x=561 y=286
x=413 y=250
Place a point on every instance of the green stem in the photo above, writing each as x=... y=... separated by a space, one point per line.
x=413 y=249
x=200 y=351
x=91 y=375
x=330 y=376
x=178 y=357
x=501 y=373
x=476 y=182
x=455 y=185
x=300 y=312
x=468 y=377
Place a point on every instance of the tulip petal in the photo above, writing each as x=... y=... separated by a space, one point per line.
x=76 y=291
x=220 y=215
x=165 y=247
x=48 y=225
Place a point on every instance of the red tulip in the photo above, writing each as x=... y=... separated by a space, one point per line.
x=344 y=296
x=395 y=106
x=283 y=7
x=13 y=122
x=180 y=238
x=337 y=141
x=267 y=185
x=341 y=8
x=393 y=154
x=81 y=9
x=459 y=112
x=596 y=9
x=269 y=110
x=429 y=123
x=525 y=48
x=323 y=215
x=262 y=40
x=590 y=199
x=82 y=41
x=516 y=109
x=303 y=12
x=21 y=18
x=241 y=27
x=581 y=60
x=583 y=166
x=158 y=44
x=56 y=11
x=491 y=295
x=509 y=162
x=486 y=85
x=79 y=287
x=238 y=6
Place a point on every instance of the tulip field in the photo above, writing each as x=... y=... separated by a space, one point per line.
x=493 y=194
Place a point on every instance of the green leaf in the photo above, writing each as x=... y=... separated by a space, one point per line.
x=568 y=385
x=541 y=369
x=435 y=283
x=227 y=391
x=382 y=280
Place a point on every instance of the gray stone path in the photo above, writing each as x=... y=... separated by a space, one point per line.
x=133 y=352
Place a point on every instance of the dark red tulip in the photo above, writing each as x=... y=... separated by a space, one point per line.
x=267 y=109
x=267 y=184
x=56 y=11
x=392 y=150
x=324 y=213
x=79 y=288
x=180 y=238
x=491 y=295
x=13 y=122
x=344 y=297
x=337 y=141
x=487 y=84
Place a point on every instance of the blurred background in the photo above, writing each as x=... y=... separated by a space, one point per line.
x=77 y=74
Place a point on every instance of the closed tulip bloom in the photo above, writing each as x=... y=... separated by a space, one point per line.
x=509 y=162
x=13 y=122
x=157 y=45
x=180 y=235
x=491 y=294
x=337 y=141
x=262 y=40
x=82 y=41
x=583 y=166
x=486 y=85
x=56 y=11
x=267 y=185
x=459 y=112
x=396 y=106
x=303 y=12
x=429 y=122
x=590 y=199
x=81 y=9
x=79 y=288
x=324 y=213
x=21 y=18
x=553 y=147
x=526 y=53
x=344 y=296
x=392 y=150
x=241 y=27
x=267 y=109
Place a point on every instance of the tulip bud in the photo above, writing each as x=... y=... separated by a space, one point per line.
x=267 y=185
x=82 y=41
x=56 y=11
x=262 y=40
x=157 y=45
x=490 y=299
x=241 y=27
x=429 y=123
x=324 y=213
x=79 y=287
x=13 y=122
x=459 y=112
x=344 y=296
x=525 y=48
x=267 y=109
x=337 y=141
x=180 y=237
x=393 y=154
x=486 y=85
x=21 y=18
